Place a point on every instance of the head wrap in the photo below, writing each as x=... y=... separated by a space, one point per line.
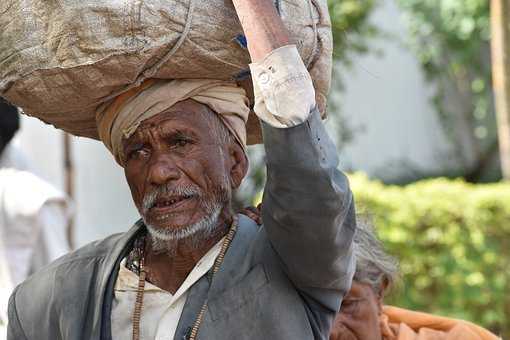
x=120 y=118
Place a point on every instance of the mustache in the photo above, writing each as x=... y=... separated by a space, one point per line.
x=166 y=190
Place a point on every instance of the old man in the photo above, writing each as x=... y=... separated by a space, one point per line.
x=191 y=268
x=364 y=316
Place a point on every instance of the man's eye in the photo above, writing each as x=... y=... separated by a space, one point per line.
x=139 y=153
x=349 y=306
x=180 y=142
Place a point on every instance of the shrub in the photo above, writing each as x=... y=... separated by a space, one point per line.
x=453 y=242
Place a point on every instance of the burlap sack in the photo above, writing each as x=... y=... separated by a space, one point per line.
x=59 y=60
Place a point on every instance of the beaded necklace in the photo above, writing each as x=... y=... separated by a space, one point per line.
x=136 y=263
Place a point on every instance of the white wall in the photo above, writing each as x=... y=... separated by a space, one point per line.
x=388 y=96
x=101 y=192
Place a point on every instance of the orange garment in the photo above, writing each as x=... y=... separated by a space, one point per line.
x=402 y=324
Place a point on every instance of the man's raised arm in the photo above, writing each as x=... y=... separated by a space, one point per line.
x=308 y=209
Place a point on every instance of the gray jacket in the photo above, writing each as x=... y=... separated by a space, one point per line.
x=284 y=280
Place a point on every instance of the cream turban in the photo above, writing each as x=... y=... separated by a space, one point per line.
x=120 y=118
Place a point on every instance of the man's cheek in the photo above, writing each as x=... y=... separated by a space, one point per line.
x=138 y=194
x=198 y=172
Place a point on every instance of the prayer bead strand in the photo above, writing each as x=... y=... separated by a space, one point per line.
x=137 y=315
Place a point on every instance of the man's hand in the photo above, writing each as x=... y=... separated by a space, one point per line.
x=253 y=213
x=283 y=89
x=262 y=26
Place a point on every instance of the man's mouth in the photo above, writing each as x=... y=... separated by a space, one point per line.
x=170 y=203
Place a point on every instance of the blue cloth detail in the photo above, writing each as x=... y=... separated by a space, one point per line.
x=241 y=40
x=242 y=75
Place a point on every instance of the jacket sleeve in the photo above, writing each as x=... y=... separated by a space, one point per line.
x=308 y=212
x=14 y=330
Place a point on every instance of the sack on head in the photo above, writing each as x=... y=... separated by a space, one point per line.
x=60 y=60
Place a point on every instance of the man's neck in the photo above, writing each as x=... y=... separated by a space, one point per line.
x=168 y=270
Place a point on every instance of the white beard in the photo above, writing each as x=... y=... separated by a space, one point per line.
x=166 y=239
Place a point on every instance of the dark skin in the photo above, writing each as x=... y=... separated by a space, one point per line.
x=265 y=32
x=253 y=213
x=177 y=148
x=358 y=318
x=262 y=26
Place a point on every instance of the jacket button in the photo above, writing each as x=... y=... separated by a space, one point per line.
x=264 y=78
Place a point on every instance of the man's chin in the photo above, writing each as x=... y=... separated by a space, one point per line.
x=171 y=231
x=167 y=227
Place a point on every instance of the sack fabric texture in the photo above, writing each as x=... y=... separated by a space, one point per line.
x=60 y=60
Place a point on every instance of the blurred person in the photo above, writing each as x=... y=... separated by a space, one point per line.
x=33 y=215
x=363 y=315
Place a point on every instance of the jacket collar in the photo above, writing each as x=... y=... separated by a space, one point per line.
x=230 y=272
x=107 y=276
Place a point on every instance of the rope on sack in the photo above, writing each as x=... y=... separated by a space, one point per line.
x=311 y=5
x=151 y=71
x=187 y=28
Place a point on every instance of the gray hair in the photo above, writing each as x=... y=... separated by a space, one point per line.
x=218 y=129
x=373 y=265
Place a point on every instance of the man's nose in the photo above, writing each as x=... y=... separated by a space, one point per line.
x=163 y=169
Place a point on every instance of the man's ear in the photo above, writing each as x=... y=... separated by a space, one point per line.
x=380 y=294
x=239 y=165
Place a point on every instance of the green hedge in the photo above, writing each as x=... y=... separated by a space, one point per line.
x=453 y=242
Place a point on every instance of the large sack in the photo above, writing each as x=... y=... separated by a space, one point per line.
x=59 y=60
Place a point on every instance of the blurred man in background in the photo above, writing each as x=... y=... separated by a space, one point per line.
x=33 y=216
x=363 y=314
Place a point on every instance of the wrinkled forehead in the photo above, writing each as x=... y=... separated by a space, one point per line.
x=187 y=116
x=187 y=111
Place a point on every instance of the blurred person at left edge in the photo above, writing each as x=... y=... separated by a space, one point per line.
x=34 y=215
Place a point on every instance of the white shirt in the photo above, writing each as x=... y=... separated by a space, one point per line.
x=161 y=310
x=34 y=217
x=284 y=97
